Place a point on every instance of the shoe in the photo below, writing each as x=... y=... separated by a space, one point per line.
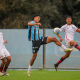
x=5 y=73
x=56 y=66
x=68 y=49
x=28 y=73
x=1 y=74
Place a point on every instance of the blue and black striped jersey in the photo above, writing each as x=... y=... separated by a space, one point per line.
x=33 y=32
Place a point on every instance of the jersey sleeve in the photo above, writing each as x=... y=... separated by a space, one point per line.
x=31 y=22
x=75 y=28
x=62 y=28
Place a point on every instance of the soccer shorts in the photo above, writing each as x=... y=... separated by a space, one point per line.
x=36 y=44
x=67 y=42
x=3 y=54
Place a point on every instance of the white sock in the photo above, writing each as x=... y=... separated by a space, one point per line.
x=29 y=68
x=63 y=47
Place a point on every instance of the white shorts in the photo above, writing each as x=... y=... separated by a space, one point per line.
x=67 y=42
x=3 y=54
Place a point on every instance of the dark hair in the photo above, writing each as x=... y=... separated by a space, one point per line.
x=36 y=15
x=68 y=17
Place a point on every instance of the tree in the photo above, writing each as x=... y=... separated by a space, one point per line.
x=15 y=14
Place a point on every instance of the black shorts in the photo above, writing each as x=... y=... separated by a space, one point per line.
x=36 y=44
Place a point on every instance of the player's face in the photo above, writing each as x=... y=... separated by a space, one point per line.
x=37 y=19
x=69 y=20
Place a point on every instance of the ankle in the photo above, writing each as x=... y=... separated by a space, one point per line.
x=56 y=64
x=5 y=68
x=29 y=68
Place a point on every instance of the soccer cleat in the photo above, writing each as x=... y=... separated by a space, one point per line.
x=28 y=73
x=5 y=73
x=68 y=49
x=1 y=74
x=56 y=66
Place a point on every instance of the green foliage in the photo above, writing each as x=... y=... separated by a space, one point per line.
x=16 y=13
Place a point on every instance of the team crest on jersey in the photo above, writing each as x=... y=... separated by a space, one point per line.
x=73 y=27
x=37 y=26
x=67 y=28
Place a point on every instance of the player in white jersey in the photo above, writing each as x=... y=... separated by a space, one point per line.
x=4 y=56
x=69 y=30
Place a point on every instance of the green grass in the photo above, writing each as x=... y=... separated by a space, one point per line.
x=42 y=75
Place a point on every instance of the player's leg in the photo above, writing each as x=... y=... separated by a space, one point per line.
x=72 y=42
x=62 y=59
x=2 y=65
x=53 y=39
x=8 y=60
x=33 y=59
x=31 y=63
x=35 y=48
x=6 y=65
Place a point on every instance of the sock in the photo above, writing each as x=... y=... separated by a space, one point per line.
x=61 y=60
x=77 y=47
x=63 y=47
x=5 y=69
x=29 y=68
x=1 y=68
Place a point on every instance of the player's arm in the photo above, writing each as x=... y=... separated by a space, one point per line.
x=5 y=41
x=61 y=29
x=32 y=24
x=60 y=37
x=78 y=30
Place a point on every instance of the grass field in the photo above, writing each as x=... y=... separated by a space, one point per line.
x=42 y=75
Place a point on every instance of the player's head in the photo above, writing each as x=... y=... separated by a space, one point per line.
x=68 y=20
x=37 y=18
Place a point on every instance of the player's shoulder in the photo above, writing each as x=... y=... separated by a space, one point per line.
x=73 y=25
x=1 y=33
x=64 y=25
x=31 y=22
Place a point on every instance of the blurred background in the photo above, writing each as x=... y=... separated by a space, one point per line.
x=14 y=16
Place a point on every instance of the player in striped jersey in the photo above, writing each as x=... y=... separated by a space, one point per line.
x=69 y=30
x=38 y=40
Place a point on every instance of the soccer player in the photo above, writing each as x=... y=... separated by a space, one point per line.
x=38 y=40
x=4 y=56
x=69 y=30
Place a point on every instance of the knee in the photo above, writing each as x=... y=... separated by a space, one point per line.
x=75 y=43
x=9 y=59
x=67 y=56
x=4 y=61
x=54 y=39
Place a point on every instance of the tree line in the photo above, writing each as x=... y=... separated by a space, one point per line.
x=15 y=14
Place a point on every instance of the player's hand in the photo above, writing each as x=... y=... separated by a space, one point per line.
x=6 y=41
x=39 y=24
x=61 y=39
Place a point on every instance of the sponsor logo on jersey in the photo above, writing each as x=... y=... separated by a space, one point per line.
x=35 y=47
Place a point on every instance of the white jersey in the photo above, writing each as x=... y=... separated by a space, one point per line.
x=69 y=31
x=3 y=51
x=2 y=46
